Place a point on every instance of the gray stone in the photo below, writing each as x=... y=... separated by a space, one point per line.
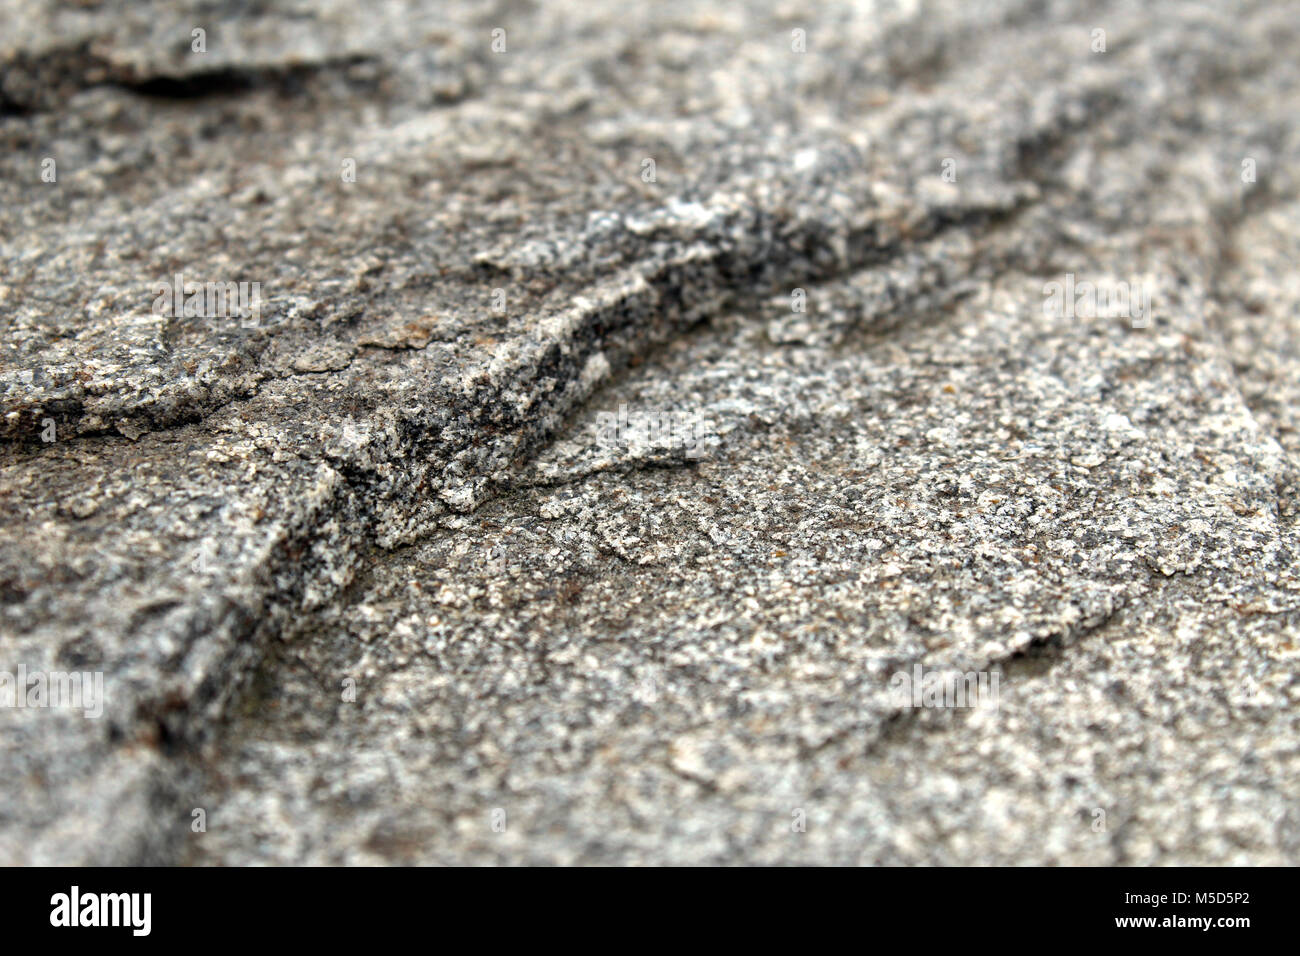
x=373 y=574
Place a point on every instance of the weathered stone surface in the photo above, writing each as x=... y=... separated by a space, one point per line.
x=367 y=569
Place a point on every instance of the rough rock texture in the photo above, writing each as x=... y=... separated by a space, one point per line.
x=368 y=580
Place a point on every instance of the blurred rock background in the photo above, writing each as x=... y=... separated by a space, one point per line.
x=366 y=578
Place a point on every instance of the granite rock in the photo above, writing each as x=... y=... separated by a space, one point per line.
x=627 y=402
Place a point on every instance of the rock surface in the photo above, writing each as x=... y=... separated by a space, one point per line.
x=664 y=383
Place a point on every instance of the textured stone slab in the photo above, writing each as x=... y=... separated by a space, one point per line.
x=367 y=568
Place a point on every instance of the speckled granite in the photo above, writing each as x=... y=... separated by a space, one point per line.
x=370 y=576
